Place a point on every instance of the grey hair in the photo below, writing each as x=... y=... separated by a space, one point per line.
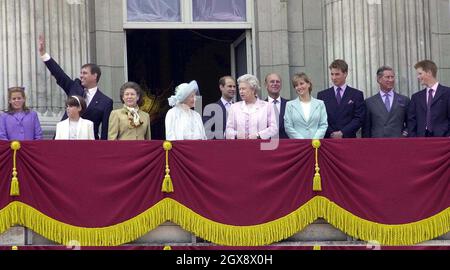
x=251 y=80
x=382 y=69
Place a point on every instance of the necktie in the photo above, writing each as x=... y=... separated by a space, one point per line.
x=275 y=103
x=387 y=102
x=429 y=101
x=338 y=95
x=227 y=106
x=86 y=97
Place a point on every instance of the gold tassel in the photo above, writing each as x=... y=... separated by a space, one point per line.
x=317 y=248
x=167 y=185
x=14 y=248
x=317 y=181
x=14 y=191
x=167 y=248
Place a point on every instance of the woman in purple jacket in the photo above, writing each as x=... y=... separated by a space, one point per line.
x=19 y=122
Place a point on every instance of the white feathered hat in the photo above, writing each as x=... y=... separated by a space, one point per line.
x=183 y=91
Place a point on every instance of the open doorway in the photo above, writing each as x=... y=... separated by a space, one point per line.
x=161 y=59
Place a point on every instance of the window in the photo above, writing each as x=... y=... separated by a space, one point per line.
x=153 y=11
x=219 y=10
x=199 y=14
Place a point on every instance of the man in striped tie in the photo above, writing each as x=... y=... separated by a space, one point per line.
x=429 y=111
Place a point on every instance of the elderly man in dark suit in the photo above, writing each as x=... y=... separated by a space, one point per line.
x=99 y=105
x=429 y=111
x=345 y=105
x=215 y=118
x=273 y=85
x=386 y=112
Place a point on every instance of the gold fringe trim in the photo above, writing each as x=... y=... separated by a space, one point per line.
x=318 y=207
x=17 y=213
x=257 y=235
x=387 y=235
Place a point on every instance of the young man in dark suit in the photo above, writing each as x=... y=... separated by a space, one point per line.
x=273 y=85
x=345 y=105
x=429 y=111
x=386 y=112
x=215 y=127
x=99 y=105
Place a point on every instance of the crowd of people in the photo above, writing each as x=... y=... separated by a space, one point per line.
x=338 y=112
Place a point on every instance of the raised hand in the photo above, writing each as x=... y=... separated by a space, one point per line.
x=41 y=44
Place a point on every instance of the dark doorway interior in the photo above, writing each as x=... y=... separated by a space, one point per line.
x=159 y=60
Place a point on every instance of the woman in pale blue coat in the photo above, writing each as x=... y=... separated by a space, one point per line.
x=305 y=117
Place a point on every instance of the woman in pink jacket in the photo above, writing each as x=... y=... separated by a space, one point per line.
x=251 y=118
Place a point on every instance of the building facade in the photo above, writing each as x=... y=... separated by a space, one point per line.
x=162 y=43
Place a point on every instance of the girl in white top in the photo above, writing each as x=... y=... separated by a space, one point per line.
x=182 y=123
x=75 y=127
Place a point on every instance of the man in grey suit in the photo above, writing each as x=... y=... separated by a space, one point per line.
x=386 y=114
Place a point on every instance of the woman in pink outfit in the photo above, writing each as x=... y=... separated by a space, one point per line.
x=251 y=118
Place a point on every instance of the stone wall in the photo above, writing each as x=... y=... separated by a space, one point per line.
x=319 y=233
x=307 y=35
x=65 y=26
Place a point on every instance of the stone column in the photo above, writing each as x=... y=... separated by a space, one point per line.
x=306 y=42
x=372 y=33
x=109 y=53
x=272 y=40
x=440 y=37
x=65 y=26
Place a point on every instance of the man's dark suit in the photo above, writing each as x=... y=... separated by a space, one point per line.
x=281 y=130
x=100 y=106
x=224 y=119
x=380 y=122
x=440 y=113
x=347 y=116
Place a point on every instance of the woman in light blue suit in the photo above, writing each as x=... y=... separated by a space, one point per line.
x=305 y=117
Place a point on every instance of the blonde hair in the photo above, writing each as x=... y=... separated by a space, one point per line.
x=302 y=76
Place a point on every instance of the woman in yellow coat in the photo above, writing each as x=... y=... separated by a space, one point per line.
x=129 y=123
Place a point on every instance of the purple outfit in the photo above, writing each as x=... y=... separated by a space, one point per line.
x=20 y=126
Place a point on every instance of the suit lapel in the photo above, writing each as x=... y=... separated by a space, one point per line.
x=423 y=99
x=94 y=101
x=439 y=93
x=224 y=114
x=282 y=109
x=332 y=97
x=299 y=109
x=314 y=107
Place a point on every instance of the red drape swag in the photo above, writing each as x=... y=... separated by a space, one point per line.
x=101 y=183
x=385 y=180
x=90 y=183
x=237 y=183
x=5 y=173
